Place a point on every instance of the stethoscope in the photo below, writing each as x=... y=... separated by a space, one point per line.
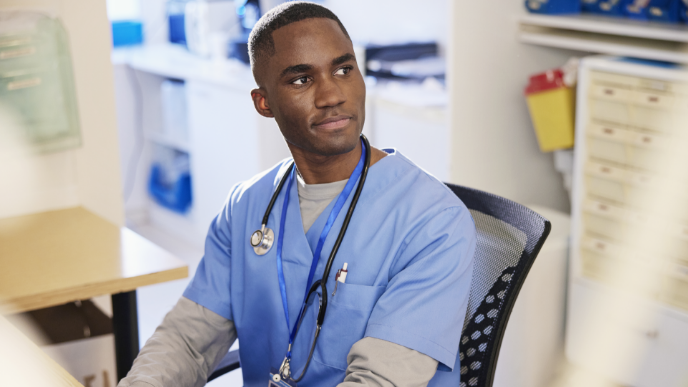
x=263 y=239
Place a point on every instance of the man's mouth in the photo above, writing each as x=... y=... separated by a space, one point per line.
x=335 y=122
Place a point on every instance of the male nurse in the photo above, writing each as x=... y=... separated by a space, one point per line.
x=396 y=319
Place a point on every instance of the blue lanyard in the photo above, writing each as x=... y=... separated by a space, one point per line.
x=341 y=199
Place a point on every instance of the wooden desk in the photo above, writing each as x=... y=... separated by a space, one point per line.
x=23 y=364
x=56 y=257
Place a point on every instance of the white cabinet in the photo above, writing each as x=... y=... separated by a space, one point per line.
x=628 y=296
x=224 y=145
x=228 y=141
x=412 y=119
x=658 y=344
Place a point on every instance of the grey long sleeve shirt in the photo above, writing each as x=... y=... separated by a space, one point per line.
x=191 y=341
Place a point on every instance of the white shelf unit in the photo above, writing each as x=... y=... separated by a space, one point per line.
x=611 y=26
x=605 y=35
x=228 y=141
x=169 y=141
x=622 y=112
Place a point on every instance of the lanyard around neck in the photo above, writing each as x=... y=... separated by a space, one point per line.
x=341 y=199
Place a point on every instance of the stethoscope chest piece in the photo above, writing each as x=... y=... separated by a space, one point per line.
x=262 y=240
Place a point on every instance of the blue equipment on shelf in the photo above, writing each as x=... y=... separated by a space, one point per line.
x=636 y=9
x=605 y=7
x=248 y=12
x=656 y=10
x=170 y=180
x=176 y=21
x=238 y=48
x=176 y=197
x=126 y=33
x=381 y=59
x=554 y=7
x=665 y=10
x=668 y=11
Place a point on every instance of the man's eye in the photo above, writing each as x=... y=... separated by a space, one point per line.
x=300 y=81
x=343 y=71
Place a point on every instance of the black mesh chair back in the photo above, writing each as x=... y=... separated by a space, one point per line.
x=509 y=238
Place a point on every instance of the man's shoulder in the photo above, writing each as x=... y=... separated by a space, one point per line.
x=261 y=184
x=419 y=184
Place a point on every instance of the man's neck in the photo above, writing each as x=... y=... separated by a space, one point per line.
x=319 y=169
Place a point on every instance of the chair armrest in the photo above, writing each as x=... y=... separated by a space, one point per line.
x=228 y=363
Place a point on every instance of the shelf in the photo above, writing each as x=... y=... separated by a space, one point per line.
x=653 y=41
x=174 y=61
x=610 y=45
x=169 y=141
x=611 y=26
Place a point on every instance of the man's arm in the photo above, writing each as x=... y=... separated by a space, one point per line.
x=375 y=362
x=184 y=350
x=436 y=266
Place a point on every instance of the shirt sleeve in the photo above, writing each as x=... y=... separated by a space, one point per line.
x=424 y=305
x=375 y=362
x=210 y=286
x=184 y=350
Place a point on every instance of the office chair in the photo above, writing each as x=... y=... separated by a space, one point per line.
x=509 y=238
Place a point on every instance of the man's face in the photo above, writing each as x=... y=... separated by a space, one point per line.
x=314 y=88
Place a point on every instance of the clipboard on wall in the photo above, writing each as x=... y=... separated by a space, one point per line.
x=37 y=91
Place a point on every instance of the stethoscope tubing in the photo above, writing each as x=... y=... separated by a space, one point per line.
x=273 y=199
x=322 y=283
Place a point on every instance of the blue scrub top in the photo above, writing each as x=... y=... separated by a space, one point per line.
x=409 y=249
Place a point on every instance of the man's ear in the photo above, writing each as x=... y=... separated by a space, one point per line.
x=260 y=102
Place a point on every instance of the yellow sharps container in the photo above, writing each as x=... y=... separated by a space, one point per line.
x=552 y=109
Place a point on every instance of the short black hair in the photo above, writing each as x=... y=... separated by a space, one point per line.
x=260 y=42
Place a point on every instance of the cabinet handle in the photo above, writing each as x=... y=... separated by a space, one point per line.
x=609 y=91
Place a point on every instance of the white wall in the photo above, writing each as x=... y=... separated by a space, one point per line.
x=123 y=9
x=89 y=175
x=393 y=21
x=154 y=17
x=493 y=142
x=128 y=93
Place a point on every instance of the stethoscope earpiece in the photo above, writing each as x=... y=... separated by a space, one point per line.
x=262 y=240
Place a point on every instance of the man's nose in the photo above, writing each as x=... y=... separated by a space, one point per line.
x=329 y=94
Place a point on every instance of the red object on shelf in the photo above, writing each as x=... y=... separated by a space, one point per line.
x=548 y=80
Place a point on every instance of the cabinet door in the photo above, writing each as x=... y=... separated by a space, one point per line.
x=665 y=361
x=224 y=144
x=650 y=349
